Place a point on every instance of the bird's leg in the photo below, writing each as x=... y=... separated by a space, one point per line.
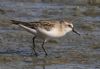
x=33 y=47
x=43 y=47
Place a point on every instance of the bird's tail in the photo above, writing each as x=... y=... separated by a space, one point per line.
x=25 y=26
x=17 y=22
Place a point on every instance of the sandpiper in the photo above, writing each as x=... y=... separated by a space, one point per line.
x=46 y=29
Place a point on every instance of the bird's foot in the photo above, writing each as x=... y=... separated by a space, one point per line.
x=36 y=54
x=46 y=54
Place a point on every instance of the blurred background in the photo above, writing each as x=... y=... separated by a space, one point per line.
x=70 y=52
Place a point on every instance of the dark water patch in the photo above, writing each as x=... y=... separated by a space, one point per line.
x=22 y=52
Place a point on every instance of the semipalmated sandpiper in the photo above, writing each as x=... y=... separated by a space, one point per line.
x=46 y=30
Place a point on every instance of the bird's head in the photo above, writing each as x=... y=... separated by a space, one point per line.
x=70 y=27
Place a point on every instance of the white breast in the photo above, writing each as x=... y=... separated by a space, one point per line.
x=54 y=32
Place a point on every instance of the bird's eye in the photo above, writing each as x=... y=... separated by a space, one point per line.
x=69 y=26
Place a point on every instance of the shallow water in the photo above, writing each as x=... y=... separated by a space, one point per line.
x=69 y=52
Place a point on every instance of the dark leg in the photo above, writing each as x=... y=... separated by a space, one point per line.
x=43 y=47
x=33 y=47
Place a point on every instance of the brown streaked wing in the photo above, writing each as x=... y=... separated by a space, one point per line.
x=34 y=25
x=43 y=24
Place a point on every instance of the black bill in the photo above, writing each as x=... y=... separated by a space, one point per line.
x=75 y=31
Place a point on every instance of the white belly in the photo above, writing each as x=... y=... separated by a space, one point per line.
x=54 y=33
